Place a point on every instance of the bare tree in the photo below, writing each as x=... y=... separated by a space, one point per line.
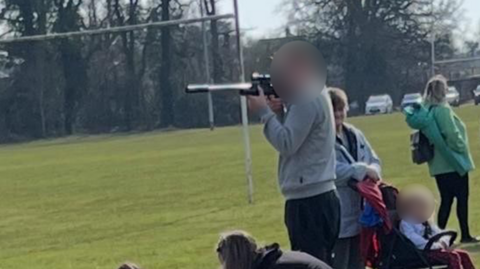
x=166 y=114
x=377 y=43
x=132 y=43
x=472 y=47
x=211 y=9
x=73 y=62
x=29 y=18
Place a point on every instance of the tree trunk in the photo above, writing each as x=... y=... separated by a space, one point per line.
x=131 y=96
x=73 y=63
x=40 y=64
x=166 y=103
x=217 y=61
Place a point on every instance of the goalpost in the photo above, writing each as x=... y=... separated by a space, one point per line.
x=202 y=19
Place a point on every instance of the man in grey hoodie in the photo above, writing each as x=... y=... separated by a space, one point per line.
x=305 y=139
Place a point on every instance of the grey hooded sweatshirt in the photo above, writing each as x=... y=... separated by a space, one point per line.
x=305 y=140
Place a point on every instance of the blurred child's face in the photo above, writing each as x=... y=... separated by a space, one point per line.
x=416 y=204
x=419 y=210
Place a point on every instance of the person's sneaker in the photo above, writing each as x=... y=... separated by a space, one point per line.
x=470 y=240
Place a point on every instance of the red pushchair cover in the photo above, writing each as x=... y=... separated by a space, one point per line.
x=374 y=194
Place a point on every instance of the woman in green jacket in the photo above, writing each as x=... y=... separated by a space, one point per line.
x=451 y=184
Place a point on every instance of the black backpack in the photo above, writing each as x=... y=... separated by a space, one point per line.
x=422 y=149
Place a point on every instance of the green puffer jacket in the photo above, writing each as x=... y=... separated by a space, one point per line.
x=447 y=133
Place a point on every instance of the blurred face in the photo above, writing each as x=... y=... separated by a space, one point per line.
x=289 y=74
x=293 y=67
x=416 y=205
x=418 y=210
x=297 y=71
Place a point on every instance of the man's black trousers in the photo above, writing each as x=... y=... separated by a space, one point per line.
x=313 y=224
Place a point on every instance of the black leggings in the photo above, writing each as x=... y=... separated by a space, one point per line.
x=450 y=186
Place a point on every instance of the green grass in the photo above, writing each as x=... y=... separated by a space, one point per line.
x=160 y=199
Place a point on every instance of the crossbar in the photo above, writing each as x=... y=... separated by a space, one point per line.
x=461 y=60
x=117 y=29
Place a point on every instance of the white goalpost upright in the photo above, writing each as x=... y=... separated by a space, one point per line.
x=244 y=107
x=202 y=19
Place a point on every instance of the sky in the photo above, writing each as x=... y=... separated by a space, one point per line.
x=259 y=18
x=471 y=9
x=264 y=18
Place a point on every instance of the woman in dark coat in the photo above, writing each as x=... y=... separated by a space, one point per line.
x=238 y=250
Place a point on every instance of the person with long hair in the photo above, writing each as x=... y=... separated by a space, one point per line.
x=239 y=250
x=451 y=184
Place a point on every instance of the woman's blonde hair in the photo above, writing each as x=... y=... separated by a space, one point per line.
x=237 y=250
x=436 y=90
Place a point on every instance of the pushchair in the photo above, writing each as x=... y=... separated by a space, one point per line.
x=384 y=246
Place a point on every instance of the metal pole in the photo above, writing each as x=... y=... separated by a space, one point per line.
x=243 y=103
x=458 y=60
x=432 y=52
x=117 y=29
x=211 y=117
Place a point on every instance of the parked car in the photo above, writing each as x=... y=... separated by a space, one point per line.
x=476 y=95
x=379 y=104
x=354 y=109
x=453 y=97
x=410 y=99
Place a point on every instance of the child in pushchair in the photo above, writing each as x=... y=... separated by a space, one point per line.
x=386 y=246
x=416 y=207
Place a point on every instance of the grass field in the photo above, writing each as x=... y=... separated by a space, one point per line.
x=160 y=199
